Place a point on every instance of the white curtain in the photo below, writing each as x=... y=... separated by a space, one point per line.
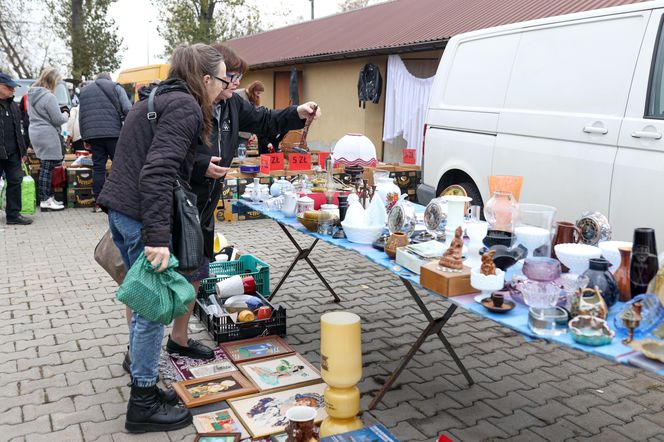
x=406 y=101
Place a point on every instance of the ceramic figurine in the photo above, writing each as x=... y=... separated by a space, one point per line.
x=488 y=267
x=631 y=318
x=452 y=258
x=589 y=302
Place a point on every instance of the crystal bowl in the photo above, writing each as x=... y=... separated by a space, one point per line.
x=541 y=269
x=576 y=256
x=539 y=294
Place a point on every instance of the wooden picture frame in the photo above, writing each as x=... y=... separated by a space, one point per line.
x=264 y=414
x=253 y=349
x=184 y=389
x=220 y=422
x=280 y=372
x=217 y=437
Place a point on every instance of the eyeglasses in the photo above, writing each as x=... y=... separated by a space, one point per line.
x=226 y=83
x=234 y=76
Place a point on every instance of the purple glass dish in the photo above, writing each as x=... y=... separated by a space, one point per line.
x=541 y=269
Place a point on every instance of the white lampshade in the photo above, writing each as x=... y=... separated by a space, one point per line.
x=355 y=150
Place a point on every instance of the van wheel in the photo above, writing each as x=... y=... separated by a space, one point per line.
x=464 y=188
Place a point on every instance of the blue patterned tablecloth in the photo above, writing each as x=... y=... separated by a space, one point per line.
x=516 y=319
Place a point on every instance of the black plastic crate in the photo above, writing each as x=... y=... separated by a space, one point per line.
x=223 y=329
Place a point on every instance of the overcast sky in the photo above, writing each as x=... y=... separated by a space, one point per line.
x=137 y=23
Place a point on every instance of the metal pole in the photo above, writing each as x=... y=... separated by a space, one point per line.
x=312 y=9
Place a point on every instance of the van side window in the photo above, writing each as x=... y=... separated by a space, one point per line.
x=655 y=105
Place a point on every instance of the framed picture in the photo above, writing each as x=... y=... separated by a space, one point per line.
x=280 y=372
x=265 y=413
x=197 y=392
x=215 y=437
x=220 y=422
x=256 y=348
x=188 y=368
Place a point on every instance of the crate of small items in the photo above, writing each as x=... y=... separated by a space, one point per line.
x=240 y=316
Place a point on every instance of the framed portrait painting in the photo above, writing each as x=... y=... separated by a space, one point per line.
x=265 y=413
x=280 y=372
x=220 y=422
x=257 y=348
x=216 y=388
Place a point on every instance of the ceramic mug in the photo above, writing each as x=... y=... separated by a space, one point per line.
x=301 y=427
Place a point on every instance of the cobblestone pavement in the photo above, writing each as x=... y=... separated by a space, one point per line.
x=63 y=336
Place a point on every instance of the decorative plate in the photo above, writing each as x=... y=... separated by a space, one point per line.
x=651 y=348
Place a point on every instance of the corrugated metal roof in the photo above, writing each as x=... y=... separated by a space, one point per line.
x=396 y=24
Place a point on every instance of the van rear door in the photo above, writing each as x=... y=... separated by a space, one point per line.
x=637 y=191
x=564 y=105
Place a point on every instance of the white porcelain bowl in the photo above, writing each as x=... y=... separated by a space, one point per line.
x=486 y=283
x=362 y=234
x=610 y=251
x=576 y=256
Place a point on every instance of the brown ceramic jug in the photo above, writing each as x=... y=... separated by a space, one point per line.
x=397 y=239
x=622 y=274
x=566 y=232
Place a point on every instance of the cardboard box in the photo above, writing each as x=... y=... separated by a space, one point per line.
x=224 y=211
x=245 y=214
x=79 y=177
x=448 y=284
x=80 y=197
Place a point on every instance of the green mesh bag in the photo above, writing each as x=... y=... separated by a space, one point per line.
x=158 y=297
x=28 y=193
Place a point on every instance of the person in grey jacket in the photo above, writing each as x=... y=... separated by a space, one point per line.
x=45 y=121
x=103 y=108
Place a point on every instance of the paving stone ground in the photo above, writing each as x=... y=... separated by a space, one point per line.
x=63 y=335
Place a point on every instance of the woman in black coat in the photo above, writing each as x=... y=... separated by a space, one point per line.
x=138 y=196
x=232 y=114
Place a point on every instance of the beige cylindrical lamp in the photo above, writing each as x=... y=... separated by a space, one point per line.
x=341 y=369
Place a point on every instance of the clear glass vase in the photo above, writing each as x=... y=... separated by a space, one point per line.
x=501 y=211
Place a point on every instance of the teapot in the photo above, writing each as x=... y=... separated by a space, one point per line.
x=290 y=201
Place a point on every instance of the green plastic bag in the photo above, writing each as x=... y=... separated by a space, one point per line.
x=158 y=297
x=28 y=193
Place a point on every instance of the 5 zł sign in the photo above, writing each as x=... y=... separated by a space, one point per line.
x=299 y=161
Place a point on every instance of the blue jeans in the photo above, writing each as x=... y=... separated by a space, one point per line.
x=144 y=336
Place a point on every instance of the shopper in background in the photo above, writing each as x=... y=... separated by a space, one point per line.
x=252 y=94
x=139 y=198
x=46 y=119
x=104 y=106
x=12 y=150
x=74 y=140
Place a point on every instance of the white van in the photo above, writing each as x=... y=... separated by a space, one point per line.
x=574 y=104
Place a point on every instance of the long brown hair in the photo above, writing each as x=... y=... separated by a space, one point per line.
x=190 y=63
x=252 y=92
x=49 y=78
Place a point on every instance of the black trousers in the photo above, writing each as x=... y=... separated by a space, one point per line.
x=102 y=150
x=14 y=175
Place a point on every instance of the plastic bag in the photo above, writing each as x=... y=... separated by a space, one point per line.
x=28 y=193
x=158 y=297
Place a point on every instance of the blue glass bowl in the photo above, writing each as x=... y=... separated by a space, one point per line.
x=652 y=314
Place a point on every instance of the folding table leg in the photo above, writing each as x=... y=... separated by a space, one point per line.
x=435 y=327
x=302 y=254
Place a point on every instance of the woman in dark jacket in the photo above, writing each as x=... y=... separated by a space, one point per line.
x=139 y=198
x=232 y=114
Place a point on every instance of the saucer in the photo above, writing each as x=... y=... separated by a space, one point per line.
x=506 y=307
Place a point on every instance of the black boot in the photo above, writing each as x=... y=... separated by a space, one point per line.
x=168 y=396
x=146 y=412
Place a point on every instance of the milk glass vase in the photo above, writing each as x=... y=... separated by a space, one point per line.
x=341 y=369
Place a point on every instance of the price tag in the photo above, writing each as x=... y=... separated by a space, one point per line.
x=299 y=161
x=409 y=156
x=271 y=162
x=322 y=159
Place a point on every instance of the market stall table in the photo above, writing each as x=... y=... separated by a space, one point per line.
x=516 y=320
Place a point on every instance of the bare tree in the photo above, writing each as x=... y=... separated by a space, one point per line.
x=351 y=5
x=13 y=37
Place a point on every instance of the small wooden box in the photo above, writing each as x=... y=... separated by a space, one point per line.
x=445 y=283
